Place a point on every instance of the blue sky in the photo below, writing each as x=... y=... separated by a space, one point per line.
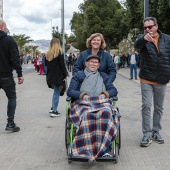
x=35 y=17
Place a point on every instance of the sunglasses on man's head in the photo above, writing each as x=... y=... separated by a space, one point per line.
x=149 y=27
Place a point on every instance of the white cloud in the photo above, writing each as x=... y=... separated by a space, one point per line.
x=33 y=17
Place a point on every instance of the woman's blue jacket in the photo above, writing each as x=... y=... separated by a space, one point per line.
x=106 y=63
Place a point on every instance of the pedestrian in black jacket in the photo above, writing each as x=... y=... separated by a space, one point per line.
x=56 y=73
x=154 y=75
x=9 y=60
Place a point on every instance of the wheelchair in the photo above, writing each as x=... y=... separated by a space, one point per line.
x=70 y=131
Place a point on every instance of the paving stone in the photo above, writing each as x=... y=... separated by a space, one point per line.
x=40 y=145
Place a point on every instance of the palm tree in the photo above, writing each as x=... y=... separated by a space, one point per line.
x=27 y=50
x=37 y=53
x=21 y=40
x=33 y=48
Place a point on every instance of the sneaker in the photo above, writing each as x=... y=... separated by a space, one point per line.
x=55 y=114
x=145 y=141
x=135 y=78
x=106 y=155
x=11 y=127
x=131 y=79
x=51 y=110
x=157 y=138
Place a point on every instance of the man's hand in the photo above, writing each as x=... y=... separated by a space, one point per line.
x=20 y=80
x=148 y=37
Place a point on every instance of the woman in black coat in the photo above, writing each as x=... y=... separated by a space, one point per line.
x=56 y=72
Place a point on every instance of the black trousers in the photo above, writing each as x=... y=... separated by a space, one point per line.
x=8 y=85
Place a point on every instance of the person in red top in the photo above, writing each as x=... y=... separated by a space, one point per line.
x=36 y=65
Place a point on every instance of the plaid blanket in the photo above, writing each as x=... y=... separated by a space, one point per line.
x=97 y=122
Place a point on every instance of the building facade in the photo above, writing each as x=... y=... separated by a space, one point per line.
x=1 y=9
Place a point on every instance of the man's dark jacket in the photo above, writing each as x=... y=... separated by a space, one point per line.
x=155 y=65
x=9 y=56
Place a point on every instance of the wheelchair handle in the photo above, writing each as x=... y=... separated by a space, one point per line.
x=68 y=99
x=115 y=98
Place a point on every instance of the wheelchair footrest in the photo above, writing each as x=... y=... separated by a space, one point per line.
x=105 y=159
x=84 y=159
x=77 y=158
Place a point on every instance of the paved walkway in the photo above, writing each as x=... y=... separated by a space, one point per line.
x=40 y=144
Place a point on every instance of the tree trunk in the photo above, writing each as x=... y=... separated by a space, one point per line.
x=20 y=52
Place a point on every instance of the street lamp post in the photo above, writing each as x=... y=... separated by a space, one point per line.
x=146 y=8
x=62 y=26
x=51 y=29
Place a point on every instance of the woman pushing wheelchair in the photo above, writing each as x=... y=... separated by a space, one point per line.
x=92 y=112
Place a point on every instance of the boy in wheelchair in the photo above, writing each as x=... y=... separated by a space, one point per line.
x=92 y=112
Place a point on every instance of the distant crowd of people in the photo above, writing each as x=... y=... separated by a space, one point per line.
x=40 y=64
x=123 y=61
x=70 y=61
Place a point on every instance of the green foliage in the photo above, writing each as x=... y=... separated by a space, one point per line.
x=57 y=34
x=106 y=17
x=134 y=13
x=159 y=9
x=114 y=20
x=69 y=39
x=30 y=50
x=27 y=49
x=78 y=28
x=163 y=12
x=21 y=40
x=37 y=53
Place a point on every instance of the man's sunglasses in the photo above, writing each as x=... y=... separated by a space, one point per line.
x=149 y=27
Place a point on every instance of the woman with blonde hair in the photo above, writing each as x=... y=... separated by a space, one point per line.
x=56 y=72
x=96 y=45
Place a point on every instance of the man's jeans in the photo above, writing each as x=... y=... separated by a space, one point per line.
x=133 y=67
x=55 y=99
x=8 y=85
x=157 y=92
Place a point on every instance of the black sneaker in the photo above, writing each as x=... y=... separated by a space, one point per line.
x=145 y=141
x=55 y=114
x=157 y=137
x=11 y=127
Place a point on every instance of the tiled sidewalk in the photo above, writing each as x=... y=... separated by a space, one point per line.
x=40 y=145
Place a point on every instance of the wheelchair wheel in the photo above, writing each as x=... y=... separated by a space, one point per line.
x=67 y=135
x=116 y=153
x=118 y=110
x=119 y=137
x=119 y=132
